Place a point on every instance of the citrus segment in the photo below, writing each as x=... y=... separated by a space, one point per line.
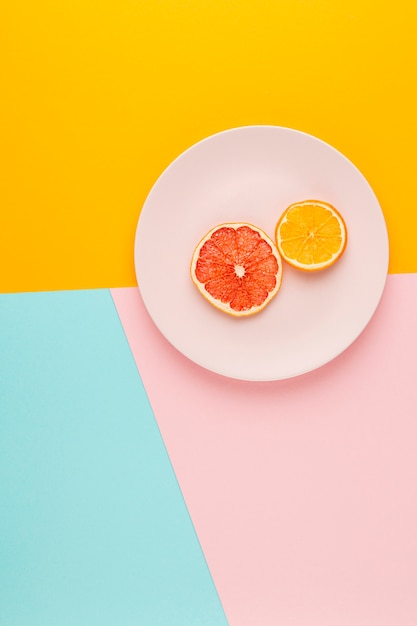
x=237 y=268
x=311 y=235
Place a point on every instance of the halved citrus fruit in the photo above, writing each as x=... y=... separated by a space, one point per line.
x=237 y=268
x=311 y=235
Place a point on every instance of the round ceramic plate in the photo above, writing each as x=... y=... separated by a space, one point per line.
x=251 y=174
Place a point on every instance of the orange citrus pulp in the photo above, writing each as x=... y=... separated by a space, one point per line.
x=311 y=235
x=237 y=268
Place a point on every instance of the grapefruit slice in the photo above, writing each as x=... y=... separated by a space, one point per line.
x=311 y=235
x=237 y=268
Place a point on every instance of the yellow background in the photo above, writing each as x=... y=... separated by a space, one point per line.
x=98 y=97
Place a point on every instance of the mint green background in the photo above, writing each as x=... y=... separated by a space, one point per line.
x=93 y=527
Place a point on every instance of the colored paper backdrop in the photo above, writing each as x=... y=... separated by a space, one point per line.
x=135 y=487
x=99 y=97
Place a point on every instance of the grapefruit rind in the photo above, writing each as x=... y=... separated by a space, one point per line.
x=311 y=267
x=225 y=306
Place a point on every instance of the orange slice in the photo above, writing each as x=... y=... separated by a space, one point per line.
x=237 y=268
x=311 y=235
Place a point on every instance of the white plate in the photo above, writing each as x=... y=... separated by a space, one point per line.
x=251 y=174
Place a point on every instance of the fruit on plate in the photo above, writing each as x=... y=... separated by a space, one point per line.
x=311 y=235
x=237 y=268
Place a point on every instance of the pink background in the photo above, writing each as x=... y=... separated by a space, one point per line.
x=303 y=492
